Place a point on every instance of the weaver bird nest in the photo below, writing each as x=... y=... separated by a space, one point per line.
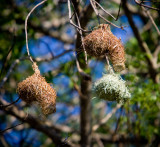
x=101 y=42
x=36 y=89
x=112 y=87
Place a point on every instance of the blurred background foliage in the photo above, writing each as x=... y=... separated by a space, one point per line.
x=50 y=35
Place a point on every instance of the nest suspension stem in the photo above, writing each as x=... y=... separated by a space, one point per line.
x=26 y=20
x=109 y=68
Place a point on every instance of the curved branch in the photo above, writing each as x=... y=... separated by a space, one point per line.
x=144 y=47
x=35 y=124
x=3 y=131
x=149 y=7
x=106 y=118
x=5 y=106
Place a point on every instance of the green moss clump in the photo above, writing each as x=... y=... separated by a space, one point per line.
x=112 y=87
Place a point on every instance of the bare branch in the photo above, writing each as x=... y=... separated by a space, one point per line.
x=12 y=46
x=157 y=51
x=152 y=20
x=82 y=73
x=38 y=59
x=98 y=140
x=9 y=72
x=149 y=57
x=118 y=121
x=93 y=3
x=5 y=106
x=3 y=131
x=48 y=47
x=78 y=90
x=106 y=118
x=108 y=12
x=149 y=7
x=119 y=138
x=52 y=33
x=80 y=32
x=110 y=69
x=35 y=123
x=70 y=18
x=26 y=20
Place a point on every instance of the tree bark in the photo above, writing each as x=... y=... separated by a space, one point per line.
x=85 y=98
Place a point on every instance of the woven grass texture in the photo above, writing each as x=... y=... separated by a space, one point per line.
x=102 y=42
x=35 y=88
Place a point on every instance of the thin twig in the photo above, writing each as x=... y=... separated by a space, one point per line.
x=150 y=2
x=118 y=121
x=152 y=20
x=110 y=69
x=26 y=20
x=78 y=90
x=80 y=31
x=38 y=59
x=157 y=50
x=108 y=12
x=110 y=22
x=149 y=7
x=70 y=18
x=48 y=47
x=106 y=118
x=79 y=68
x=144 y=47
x=104 y=10
x=1 y=132
x=35 y=124
x=9 y=72
x=12 y=46
x=98 y=14
x=25 y=117
x=5 y=106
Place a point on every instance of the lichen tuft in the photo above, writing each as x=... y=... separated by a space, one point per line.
x=112 y=87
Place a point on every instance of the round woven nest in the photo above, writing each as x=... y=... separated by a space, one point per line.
x=112 y=87
x=101 y=42
x=36 y=89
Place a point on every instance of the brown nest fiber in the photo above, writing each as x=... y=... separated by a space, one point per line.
x=36 y=89
x=102 y=42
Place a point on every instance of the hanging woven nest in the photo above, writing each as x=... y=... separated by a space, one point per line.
x=101 y=42
x=36 y=89
x=112 y=87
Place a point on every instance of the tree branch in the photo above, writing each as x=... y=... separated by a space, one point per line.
x=35 y=124
x=9 y=72
x=5 y=106
x=120 y=139
x=149 y=7
x=152 y=20
x=85 y=100
x=149 y=57
x=55 y=34
x=106 y=118
x=3 y=131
